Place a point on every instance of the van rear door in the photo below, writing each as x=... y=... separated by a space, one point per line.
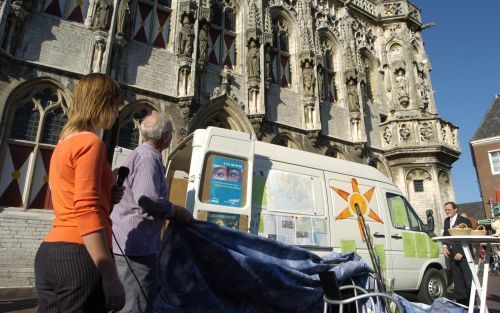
x=220 y=177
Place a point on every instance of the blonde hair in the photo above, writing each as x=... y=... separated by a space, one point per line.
x=96 y=98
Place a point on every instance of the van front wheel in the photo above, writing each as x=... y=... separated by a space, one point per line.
x=433 y=286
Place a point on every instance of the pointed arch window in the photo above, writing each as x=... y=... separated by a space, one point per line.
x=33 y=126
x=72 y=10
x=222 y=34
x=152 y=22
x=128 y=127
x=280 y=54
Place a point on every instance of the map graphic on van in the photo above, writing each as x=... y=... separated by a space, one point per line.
x=362 y=200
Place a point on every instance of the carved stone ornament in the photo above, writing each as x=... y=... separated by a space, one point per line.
x=123 y=19
x=404 y=132
x=17 y=13
x=203 y=42
x=255 y=20
x=256 y=121
x=392 y=30
x=444 y=177
x=313 y=136
x=253 y=59
x=321 y=81
x=309 y=107
x=393 y=9
x=309 y=79
x=102 y=14
x=187 y=106
x=268 y=63
x=98 y=53
x=363 y=35
x=422 y=87
x=426 y=132
x=402 y=88
x=186 y=35
x=387 y=134
x=352 y=94
x=225 y=80
x=444 y=134
x=418 y=174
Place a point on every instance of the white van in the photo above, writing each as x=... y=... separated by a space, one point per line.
x=305 y=199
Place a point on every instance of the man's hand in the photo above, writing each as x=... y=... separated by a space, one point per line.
x=458 y=256
x=182 y=215
x=446 y=252
x=116 y=194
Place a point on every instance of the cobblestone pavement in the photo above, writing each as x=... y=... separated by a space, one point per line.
x=23 y=300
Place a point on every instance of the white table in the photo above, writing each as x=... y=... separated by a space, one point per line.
x=473 y=262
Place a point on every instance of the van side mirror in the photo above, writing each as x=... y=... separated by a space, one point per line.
x=430 y=221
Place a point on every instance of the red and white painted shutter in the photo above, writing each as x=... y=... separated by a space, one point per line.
x=276 y=64
x=55 y=7
x=14 y=174
x=214 y=46
x=285 y=71
x=77 y=10
x=143 y=22
x=40 y=183
x=229 y=51
x=161 y=29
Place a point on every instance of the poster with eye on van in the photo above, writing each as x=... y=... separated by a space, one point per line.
x=226 y=181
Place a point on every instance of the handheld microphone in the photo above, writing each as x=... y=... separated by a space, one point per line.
x=123 y=172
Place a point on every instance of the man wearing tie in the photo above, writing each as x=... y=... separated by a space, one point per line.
x=462 y=277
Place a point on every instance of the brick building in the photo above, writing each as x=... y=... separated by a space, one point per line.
x=485 y=149
x=347 y=79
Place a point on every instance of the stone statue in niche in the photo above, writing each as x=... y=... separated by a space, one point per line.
x=321 y=79
x=186 y=36
x=268 y=62
x=253 y=59
x=422 y=88
x=308 y=79
x=309 y=114
x=123 y=19
x=101 y=17
x=402 y=87
x=352 y=95
x=13 y=26
x=203 y=40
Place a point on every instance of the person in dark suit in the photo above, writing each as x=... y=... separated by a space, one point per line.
x=461 y=275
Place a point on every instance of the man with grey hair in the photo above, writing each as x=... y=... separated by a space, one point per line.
x=138 y=218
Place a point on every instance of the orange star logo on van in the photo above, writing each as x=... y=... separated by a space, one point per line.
x=362 y=200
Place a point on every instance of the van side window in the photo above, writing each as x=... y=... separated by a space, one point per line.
x=402 y=214
x=224 y=180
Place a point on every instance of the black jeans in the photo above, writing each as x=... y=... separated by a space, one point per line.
x=67 y=280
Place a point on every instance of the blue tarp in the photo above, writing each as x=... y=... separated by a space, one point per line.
x=207 y=268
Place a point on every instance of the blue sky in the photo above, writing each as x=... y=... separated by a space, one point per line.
x=464 y=51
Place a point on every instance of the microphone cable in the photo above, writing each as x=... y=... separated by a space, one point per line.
x=122 y=175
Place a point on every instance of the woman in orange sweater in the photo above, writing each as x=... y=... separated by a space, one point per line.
x=74 y=267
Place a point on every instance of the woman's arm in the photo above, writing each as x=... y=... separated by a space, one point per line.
x=100 y=253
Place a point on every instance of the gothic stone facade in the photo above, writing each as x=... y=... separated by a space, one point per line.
x=348 y=79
